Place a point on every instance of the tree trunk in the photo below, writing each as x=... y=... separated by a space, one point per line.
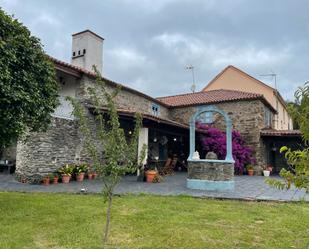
x=108 y=218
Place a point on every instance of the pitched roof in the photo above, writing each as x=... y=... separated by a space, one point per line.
x=87 y=30
x=79 y=71
x=212 y=97
x=280 y=133
x=248 y=76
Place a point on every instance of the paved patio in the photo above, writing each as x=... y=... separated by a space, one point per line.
x=247 y=188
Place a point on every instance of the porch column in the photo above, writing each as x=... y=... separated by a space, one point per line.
x=142 y=139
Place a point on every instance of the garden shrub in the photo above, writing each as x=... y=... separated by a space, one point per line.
x=213 y=139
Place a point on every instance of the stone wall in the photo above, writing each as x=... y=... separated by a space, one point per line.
x=212 y=171
x=45 y=152
x=42 y=153
x=125 y=99
x=247 y=118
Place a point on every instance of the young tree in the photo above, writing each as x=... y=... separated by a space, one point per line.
x=119 y=153
x=298 y=172
x=28 y=88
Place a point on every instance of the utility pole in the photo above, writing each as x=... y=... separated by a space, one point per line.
x=193 y=87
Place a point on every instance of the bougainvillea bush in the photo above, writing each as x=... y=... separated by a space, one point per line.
x=213 y=139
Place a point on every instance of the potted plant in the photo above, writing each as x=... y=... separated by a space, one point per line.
x=55 y=178
x=46 y=180
x=267 y=170
x=157 y=178
x=94 y=175
x=90 y=175
x=150 y=175
x=250 y=170
x=80 y=171
x=66 y=172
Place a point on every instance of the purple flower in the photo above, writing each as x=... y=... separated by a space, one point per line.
x=213 y=139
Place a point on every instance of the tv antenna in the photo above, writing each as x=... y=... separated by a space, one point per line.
x=193 y=87
x=273 y=76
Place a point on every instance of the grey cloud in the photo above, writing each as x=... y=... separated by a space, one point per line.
x=149 y=43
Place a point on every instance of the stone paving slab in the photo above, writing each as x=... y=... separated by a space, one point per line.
x=246 y=188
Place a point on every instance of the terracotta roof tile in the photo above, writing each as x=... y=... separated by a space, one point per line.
x=211 y=97
x=189 y=99
x=93 y=75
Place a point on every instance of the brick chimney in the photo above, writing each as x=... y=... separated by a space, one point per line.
x=87 y=50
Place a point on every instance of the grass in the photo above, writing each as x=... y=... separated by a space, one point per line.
x=59 y=221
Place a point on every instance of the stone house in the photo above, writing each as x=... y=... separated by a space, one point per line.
x=232 y=78
x=165 y=120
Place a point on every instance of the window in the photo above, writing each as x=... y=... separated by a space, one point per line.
x=267 y=118
x=155 y=109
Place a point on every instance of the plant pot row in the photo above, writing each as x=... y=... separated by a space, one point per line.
x=67 y=178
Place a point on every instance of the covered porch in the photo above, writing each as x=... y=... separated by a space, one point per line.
x=273 y=140
x=167 y=141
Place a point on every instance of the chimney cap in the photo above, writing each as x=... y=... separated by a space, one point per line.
x=87 y=30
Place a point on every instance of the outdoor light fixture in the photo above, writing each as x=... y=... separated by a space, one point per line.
x=175 y=139
x=155 y=140
x=130 y=132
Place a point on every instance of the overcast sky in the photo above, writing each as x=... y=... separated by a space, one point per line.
x=148 y=43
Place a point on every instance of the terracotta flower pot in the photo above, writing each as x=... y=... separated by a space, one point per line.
x=80 y=177
x=66 y=178
x=250 y=172
x=46 y=181
x=55 y=181
x=150 y=174
x=90 y=176
x=94 y=175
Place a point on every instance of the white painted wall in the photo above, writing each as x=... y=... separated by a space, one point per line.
x=66 y=88
x=143 y=139
x=93 y=47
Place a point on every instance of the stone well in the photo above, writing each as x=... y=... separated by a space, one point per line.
x=210 y=173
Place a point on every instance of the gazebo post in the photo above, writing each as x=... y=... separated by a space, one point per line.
x=192 y=137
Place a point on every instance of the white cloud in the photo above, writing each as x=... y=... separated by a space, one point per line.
x=44 y=18
x=126 y=57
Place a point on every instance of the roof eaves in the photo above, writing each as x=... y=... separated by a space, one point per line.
x=131 y=113
x=93 y=75
x=226 y=100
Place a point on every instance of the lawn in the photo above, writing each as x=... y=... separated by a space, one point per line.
x=76 y=221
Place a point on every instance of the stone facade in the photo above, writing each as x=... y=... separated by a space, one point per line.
x=126 y=99
x=211 y=171
x=45 y=152
x=247 y=118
